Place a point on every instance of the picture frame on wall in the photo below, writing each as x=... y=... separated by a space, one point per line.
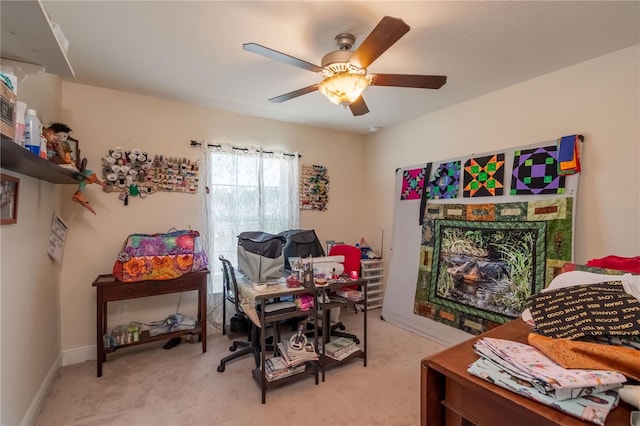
x=9 y=191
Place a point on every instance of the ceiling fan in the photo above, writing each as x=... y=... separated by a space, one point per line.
x=344 y=71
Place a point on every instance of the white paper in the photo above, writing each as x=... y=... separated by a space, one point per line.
x=57 y=237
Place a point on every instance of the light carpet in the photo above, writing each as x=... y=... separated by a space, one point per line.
x=148 y=385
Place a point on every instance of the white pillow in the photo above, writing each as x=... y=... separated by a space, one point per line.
x=630 y=395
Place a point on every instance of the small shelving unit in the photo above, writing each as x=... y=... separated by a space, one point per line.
x=18 y=159
x=373 y=272
x=28 y=37
x=145 y=337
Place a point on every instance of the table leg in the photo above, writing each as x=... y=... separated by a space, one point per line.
x=366 y=304
x=263 y=352
x=101 y=328
x=202 y=313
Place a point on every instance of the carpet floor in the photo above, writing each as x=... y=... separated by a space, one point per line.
x=147 y=385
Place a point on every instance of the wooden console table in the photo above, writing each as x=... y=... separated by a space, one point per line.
x=110 y=290
x=451 y=396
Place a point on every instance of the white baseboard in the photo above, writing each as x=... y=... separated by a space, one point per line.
x=34 y=409
x=78 y=355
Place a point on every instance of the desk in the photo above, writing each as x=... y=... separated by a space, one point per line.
x=451 y=396
x=252 y=296
x=109 y=290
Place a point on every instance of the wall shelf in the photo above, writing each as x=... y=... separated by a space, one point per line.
x=18 y=159
x=28 y=36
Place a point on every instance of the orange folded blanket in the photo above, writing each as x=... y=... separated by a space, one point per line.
x=577 y=354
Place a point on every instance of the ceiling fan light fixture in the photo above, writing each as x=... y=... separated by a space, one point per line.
x=344 y=88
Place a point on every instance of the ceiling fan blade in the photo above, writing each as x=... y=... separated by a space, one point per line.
x=408 y=80
x=384 y=35
x=294 y=94
x=279 y=56
x=358 y=107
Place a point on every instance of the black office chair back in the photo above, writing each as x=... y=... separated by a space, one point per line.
x=301 y=243
x=230 y=284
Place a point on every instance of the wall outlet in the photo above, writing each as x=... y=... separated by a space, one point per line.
x=121 y=309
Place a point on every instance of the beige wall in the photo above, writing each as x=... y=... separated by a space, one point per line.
x=101 y=119
x=598 y=99
x=29 y=279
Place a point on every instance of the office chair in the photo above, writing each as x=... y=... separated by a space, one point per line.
x=251 y=345
x=352 y=256
x=300 y=243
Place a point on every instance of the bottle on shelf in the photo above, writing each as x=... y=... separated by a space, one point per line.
x=43 y=147
x=21 y=108
x=32 y=131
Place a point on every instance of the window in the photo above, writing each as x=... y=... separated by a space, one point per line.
x=248 y=190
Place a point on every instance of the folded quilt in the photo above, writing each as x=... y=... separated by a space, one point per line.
x=593 y=407
x=577 y=354
x=546 y=373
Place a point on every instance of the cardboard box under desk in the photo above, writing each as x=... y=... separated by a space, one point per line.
x=8 y=118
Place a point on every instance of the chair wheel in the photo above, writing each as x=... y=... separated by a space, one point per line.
x=232 y=348
x=356 y=340
x=342 y=327
x=221 y=368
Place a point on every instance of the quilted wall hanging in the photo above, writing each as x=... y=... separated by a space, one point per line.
x=480 y=262
x=482 y=249
x=445 y=181
x=412 y=184
x=314 y=187
x=484 y=176
x=536 y=171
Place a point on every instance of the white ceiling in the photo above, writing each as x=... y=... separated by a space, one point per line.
x=192 y=51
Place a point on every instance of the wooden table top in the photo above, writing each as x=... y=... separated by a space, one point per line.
x=454 y=361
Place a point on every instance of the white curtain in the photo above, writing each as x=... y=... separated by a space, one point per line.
x=245 y=189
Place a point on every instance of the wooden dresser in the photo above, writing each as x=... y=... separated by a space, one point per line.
x=451 y=396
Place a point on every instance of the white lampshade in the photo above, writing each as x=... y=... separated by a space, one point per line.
x=345 y=87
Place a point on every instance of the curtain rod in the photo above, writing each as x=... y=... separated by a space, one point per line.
x=238 y=148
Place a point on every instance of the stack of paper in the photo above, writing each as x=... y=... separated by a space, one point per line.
x=277 y=368
x=340 y=348
x=295 y=357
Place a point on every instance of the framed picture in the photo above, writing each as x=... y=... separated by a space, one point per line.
x=75 y=151
x=9 y=187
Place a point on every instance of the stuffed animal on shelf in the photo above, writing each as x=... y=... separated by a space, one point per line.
x=88 y=177
x=58 y=149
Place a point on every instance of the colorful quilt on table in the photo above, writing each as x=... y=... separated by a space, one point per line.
x=484 y=176
x=591 y=407
x=445 y=181
x=480 y=262
x=535 y=171
x=412 y=184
